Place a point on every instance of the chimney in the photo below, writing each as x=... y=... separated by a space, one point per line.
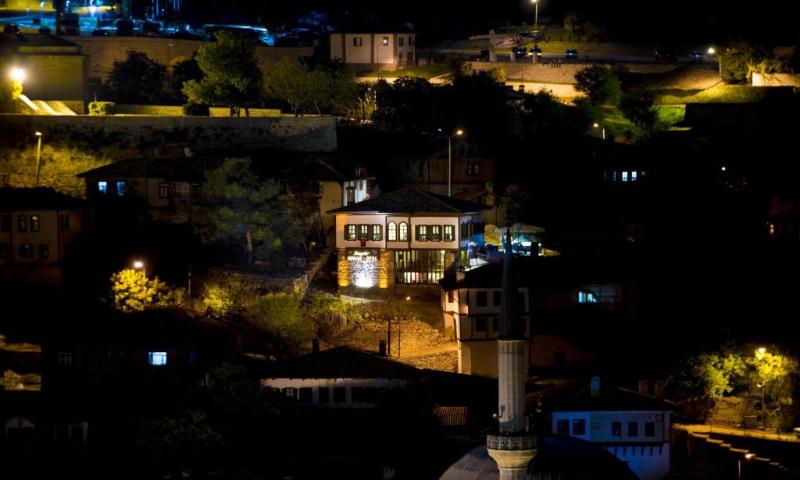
x=644 y=387
x=659 y=389
x=595 y=386
x=315 y=345
x=382 y=348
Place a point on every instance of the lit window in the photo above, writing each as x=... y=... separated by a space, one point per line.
x=34 y=223
x=363 y=232
x=436 y=233
x=377 y=233
x=357 y=42
x=350 y=232
x=625 y=176
x=385 y=41
x=391 y=234
x=102 y=186
x=422 y=233
x=403 y=232
x=633 y=176
x=158 y=359
x=449 y=233
x=120 y=188
x=586 y=297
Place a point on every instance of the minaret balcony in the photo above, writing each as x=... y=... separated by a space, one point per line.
x=520 y=441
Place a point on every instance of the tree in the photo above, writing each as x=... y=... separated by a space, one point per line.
x=405 y=105
x=133 y=291
x=182 y=440
x=237 y=207
x=281 y=315
x=137 y=79
x=638 y=108
x=181 y=71
x=310 y=91
x=231 y=76
x=739 y=60
x=600 y=84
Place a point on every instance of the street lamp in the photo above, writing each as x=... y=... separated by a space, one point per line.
x=139 y=265
x=536 y=20
x=747 y=456
x=457 y=133
x=17 y=74
x=38 y=156
x=603 y=129
x=713 y=52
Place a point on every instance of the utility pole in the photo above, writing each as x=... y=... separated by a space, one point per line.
x=38 y=157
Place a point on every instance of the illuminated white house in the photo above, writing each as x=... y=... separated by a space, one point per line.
x=379 y=50
x=405 y=237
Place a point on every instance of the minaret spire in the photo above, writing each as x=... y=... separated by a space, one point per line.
x=512 y=447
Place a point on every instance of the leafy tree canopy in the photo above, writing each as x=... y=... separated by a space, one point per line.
x=132 y=291
x=600 y=84
x=138 y=79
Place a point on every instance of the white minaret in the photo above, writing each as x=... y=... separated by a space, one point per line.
x=512 y=446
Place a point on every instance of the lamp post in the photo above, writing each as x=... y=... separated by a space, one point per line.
x=603 y=129
x=747 y=456
x=713 y=52
x=139 y=265
x=439 y=134
x=536 y=20
x=38 y=156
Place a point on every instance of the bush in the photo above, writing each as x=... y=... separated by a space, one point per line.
x=196 y=110
x=219 y=301
x=281 y=315
x=132 y=291
x=102 y=108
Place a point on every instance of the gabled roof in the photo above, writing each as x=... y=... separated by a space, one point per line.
x=610 y=398
x=340 y=362
x=182 y=169
x=412 y=201
x=38 y=199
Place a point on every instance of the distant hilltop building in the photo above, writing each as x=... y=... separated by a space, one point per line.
x=383 y=50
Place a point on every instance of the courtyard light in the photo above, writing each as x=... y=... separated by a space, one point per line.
x=17 y=74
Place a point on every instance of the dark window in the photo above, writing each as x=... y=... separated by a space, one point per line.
x=63 y=222
x=5 y=250
x=350 y=232
x=410 y=56
x=44 y=250
x=22 y=223
x=364 y=394
x=35 y=223
x=26 y=250
x=562 y=427
x=480 y=324
x=65 y=358
x=521 y=302
x=400 y=41
x=305 y=394
x=649 y=429
x=357 y=42
x=451 y=296
x=481 y=299
x=403 y=237
x=497 y=298
x=436 y=233
x=290 y=392
x=616 y=429
x=324 y=395
x=579 y=426
x=633 y=429
x=496 y=324
x=5 y=223
x=166 y=190
x=422 y=233
x=473 y=169
x=449 y=233
x=339 y=394
x=363 y=232
x=192 y=357
x=559 y=359
x=377 y=233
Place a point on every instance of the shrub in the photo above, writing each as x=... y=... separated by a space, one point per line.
x=218 y=300
x=102 y=108
x=281 y=315
x=133 y=291
x=196 y=110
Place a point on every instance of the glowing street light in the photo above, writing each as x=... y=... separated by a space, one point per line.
x=536 y=20
x=760 y=352
x=38 y=156
x=713 y=52
x=139 y=265
x=17 y=74
x=603 y=129
x=440 y=134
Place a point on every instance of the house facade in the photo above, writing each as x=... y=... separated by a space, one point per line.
x=633 y=426
x=405 y=237
x=37 y=226
x=385 y=51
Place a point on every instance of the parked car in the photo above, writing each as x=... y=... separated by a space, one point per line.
x=99 y=32
x=124 y=27
x=151 y=29
x=665 y=55
x=45 y=30
x=11 y=28
x=520 y=52
x=571 y=53
x=536 y=51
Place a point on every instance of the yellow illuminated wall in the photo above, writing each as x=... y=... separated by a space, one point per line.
x=384 y=268
x=343 y=269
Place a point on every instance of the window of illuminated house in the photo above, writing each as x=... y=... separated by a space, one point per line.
x=625 y=176
x=324 y=395
x=34 y=223
x=391 y=233
x=44 y=250
x=586 y=297
x=120 y=188
x=436 y=233
x=449 y=233
x=579 y=426
x=102 y=186
x=633 y=176
x=349 y=232
x=403 y=234
x=377 y=233
x=363 y=232
x=419 y=266
x=422 y=233
x=157 y=359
